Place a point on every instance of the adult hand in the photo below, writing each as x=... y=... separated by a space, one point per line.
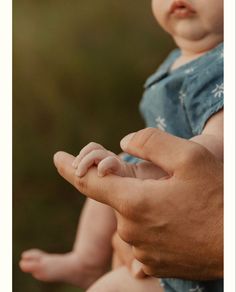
x=175 y=225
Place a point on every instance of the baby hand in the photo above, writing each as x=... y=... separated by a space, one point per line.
x=96 y=154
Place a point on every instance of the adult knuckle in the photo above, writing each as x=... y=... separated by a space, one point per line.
x=140 y=255
x=125 y=233
x=149 y=270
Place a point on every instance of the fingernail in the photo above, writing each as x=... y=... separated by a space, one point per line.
x=101 y=173
x=125 y=141
x=74 y=164
x=78 y=173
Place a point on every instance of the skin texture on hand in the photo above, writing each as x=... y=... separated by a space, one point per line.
x=175 y=225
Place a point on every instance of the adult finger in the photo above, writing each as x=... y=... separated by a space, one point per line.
x=121 y=193
x=161 y=148
x=63 y=162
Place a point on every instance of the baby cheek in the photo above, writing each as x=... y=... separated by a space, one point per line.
x=213 y=16
x=159 y=11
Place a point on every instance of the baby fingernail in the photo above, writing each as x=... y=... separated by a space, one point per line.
x=74 y=165
x=78 y=173
x=101 y=174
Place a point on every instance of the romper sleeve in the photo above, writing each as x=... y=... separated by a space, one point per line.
x=129 y=158
x=205 y=93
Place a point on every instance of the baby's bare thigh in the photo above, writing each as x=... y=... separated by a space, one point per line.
x=120 y=280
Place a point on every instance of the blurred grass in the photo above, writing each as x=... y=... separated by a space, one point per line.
x=79 y=68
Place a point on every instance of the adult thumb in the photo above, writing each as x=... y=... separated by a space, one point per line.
x=163 y=149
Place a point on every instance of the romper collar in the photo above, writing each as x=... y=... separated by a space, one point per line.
x=163 y=70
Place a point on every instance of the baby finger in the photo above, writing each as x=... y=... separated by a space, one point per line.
x=92 y=158
x=111 y=164
x=84 y=151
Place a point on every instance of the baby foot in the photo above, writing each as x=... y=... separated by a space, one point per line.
x=59 y=268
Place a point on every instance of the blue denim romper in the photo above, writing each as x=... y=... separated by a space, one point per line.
x=180 y=102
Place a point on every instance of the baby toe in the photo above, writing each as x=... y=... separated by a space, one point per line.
x=29 y=266
x=32 y=254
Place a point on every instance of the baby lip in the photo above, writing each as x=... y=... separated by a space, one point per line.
x=181 y=5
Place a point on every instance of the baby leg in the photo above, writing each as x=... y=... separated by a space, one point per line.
x=53 y=267
x=91 y=254
x=120 y=280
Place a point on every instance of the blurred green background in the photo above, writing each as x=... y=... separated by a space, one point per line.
x=79 y=69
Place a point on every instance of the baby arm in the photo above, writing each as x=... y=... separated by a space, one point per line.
x=212 y=136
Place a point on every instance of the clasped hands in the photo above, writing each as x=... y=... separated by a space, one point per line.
x=175 y=224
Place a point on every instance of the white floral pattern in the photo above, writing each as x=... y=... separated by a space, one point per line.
x=197 y=289
x=221 y=54
x=218 y=91
x=153 y=87
x=182 y=95
x=161 y=123
x=188 y=71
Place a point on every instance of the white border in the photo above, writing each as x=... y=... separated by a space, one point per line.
x=229 y=179
x=6 y=145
